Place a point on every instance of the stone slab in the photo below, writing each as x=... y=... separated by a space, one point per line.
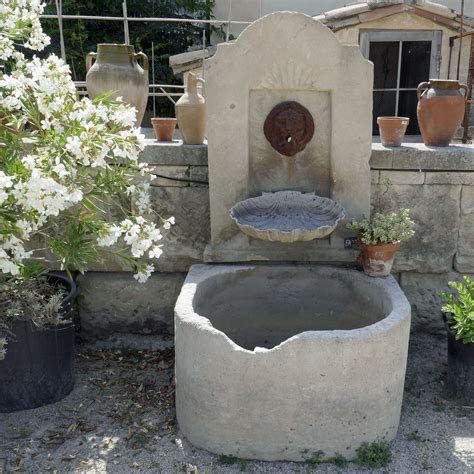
x=465 y=257
x=417 y=156
x=199 y=173
x=464 y=264
x=374 y=176
x=174 y=153
x=116 y=303
x=402 y=177
x=436 y=212
x=176 y=176
x=450 y=177
x=184 y=243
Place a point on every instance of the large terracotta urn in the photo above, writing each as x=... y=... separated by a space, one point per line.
x=191 y=112
x=441 y=107
x=114 y=69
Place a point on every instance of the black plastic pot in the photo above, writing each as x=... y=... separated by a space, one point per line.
x=460 y=367
x=38 y=368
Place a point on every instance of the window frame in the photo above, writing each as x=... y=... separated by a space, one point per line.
x=434 y=36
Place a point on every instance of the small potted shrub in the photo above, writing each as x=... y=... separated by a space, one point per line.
x=379 y=239
x=71 y=187
x=459 y=319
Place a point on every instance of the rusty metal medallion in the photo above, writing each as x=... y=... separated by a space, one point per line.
x=289 y=127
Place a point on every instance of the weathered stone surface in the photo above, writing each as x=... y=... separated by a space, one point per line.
x=466 y=229
x=239 y=76
x=179 y=173
x=116 y=303
x=374 y=176
x=402 y=177
x=184 y=243
x=450 y=177
x=254 y=383
x=199 y=173
x=174 y=153
x=435 y=210
x=464 y=261
x=422 y=291
x=417 y=156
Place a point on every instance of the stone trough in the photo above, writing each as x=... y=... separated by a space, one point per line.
x=288 y=362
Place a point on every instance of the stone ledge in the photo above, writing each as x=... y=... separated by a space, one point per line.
x=174 y=153
x=408 y=157
x=417 y=156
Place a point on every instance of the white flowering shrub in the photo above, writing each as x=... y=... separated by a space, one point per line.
x=69 y=170
x=385 y=228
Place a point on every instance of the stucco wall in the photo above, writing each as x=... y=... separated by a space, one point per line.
x=410 y=21
x=250 y=10
x=437 y=184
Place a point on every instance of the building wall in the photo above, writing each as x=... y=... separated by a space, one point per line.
x=410 y=21
x=250 y=10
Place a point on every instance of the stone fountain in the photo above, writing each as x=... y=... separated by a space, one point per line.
x=295 y=354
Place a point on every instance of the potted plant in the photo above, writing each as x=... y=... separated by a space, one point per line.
x=71 y=187
x=379 y=239
x=459 y=319
x=392 y=130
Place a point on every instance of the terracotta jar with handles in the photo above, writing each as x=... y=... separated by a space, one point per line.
x=114 y=68
x=191 y=112
x=441 y=107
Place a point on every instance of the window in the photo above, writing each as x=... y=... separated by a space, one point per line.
x=402 y=59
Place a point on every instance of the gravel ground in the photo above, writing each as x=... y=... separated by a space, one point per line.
x=120 y=419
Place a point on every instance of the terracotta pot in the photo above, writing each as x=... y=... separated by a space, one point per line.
x=441 y=107
x=164 y=128
x=116 y=70
x=191 y=112
x=377 y=260
x=392 y=130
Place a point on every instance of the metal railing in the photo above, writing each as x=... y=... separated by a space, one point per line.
x=155 y=90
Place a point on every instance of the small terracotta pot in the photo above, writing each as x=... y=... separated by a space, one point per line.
x=392 y=130
x=377 y=260
x=164 y=128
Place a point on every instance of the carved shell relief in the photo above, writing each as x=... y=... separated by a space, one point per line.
x=289 y=127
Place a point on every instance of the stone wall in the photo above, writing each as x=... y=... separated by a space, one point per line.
x=437 y=184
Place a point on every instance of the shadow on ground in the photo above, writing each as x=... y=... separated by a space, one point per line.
x=120 y=418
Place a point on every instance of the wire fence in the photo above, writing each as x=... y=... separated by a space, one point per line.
x=155 y=90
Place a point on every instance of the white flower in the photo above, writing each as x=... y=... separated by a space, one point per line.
x=168 y=223
x=109 y=236
x=143 y=274
x=74 y=146
x=155 y=252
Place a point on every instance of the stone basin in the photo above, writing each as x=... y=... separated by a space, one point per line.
x=288 y=362
x=287 y=216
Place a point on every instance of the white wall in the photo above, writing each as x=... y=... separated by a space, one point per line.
x=250 y=10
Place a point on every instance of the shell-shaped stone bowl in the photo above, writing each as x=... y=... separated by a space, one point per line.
x=287 y=216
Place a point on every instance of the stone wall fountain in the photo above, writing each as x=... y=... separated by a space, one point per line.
x=279 y=360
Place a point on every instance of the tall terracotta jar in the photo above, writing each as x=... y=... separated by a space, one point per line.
x=441 y=107
x=191 y=112
x=116 y=70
